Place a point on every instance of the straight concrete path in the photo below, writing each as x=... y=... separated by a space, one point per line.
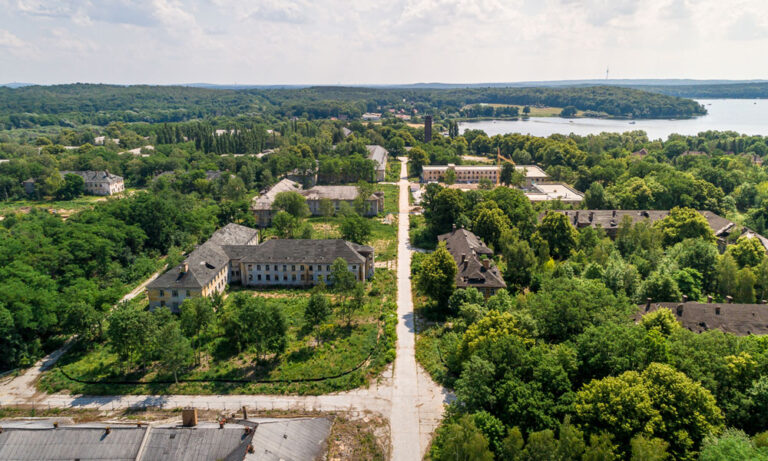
x=406 y=395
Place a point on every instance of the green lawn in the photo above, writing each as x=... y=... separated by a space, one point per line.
x=342 y=348
x=62 y=207
x=391 y=197
x=393 y=170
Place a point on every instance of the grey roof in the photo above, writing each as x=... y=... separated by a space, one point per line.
x=196 y=443
x=264 y=201
x=88 y=442
x=205 y=261
x=294 y=439
x=739 y=319
x=291 y=439
x=466 y=246
x=332 y=192
x=346 y=131
x=95 y=176
x=378 y=154
x=611 y=219
x=300 y=250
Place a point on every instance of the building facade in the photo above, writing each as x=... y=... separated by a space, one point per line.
x=99 y=182
x=474 y=173
x=263 y=210
x=206 y=271
x=379 y=155
x=296 y=262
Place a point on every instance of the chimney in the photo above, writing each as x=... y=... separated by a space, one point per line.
x=679 y=310
x=729 y=299
x=486 y=263
x=463 y=258
x=647 y=304
x=453 y=227
x=614 y=213
x=184 y=268
x=709 y=299
x=763 y=301
x=221 y=423
x=245 y=412
x=427 y=128
x=189 y=417
x=107 y=430
x=55 y=424
x=685 y=299
x=591 y=216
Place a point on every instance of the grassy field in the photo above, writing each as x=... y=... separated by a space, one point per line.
x=391 y=197
x=64 y=208
x=535 y=111
x=383 y=236
x=393 y=170
x=342 y=348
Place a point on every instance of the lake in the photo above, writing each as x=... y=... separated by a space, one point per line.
x=745 y=116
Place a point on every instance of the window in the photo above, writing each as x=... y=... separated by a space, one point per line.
x=293 y=267
x=310 y=267
x=174 y=293
x=258 y=276
x=328 y=268
x=187 y=293
x=162 y=292
x=285 y=277
x=301 y=268
x=267 y=277
x=258 y=267
x=293 y=277
x=284 y=268
x=162 y=303
x=302 y=276
x=250 y=267
x=250 y=277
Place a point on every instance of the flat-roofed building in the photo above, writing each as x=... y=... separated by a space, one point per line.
x=379 y=156
x=474 y=173
x=299 y=262
x=206 y=271
x=554 y=191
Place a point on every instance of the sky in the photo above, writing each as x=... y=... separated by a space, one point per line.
x=378 y=42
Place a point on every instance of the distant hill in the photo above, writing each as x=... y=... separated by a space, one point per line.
x=15 y=84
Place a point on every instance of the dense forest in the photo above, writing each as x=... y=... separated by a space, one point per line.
x=72 y=105
x=715 y=91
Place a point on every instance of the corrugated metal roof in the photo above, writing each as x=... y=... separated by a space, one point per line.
x=295 y=439
x=71 y=442
x=195 y=443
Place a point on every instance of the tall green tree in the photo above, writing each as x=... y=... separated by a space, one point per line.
x=437 y=277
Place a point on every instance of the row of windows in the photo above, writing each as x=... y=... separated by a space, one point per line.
x=285 y=266
x=174 y=293
x=277 y=278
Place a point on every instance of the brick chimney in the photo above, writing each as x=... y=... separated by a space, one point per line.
x=648 y=304
x=189 y=417
x=463 y=258
x=729 y=299
x=184 y=268
x=486 y=263
x=685 y=299
x=709 y=299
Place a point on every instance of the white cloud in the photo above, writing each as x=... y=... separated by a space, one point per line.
x=372 y=41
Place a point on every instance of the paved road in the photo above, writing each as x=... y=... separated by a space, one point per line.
x=407 y=395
